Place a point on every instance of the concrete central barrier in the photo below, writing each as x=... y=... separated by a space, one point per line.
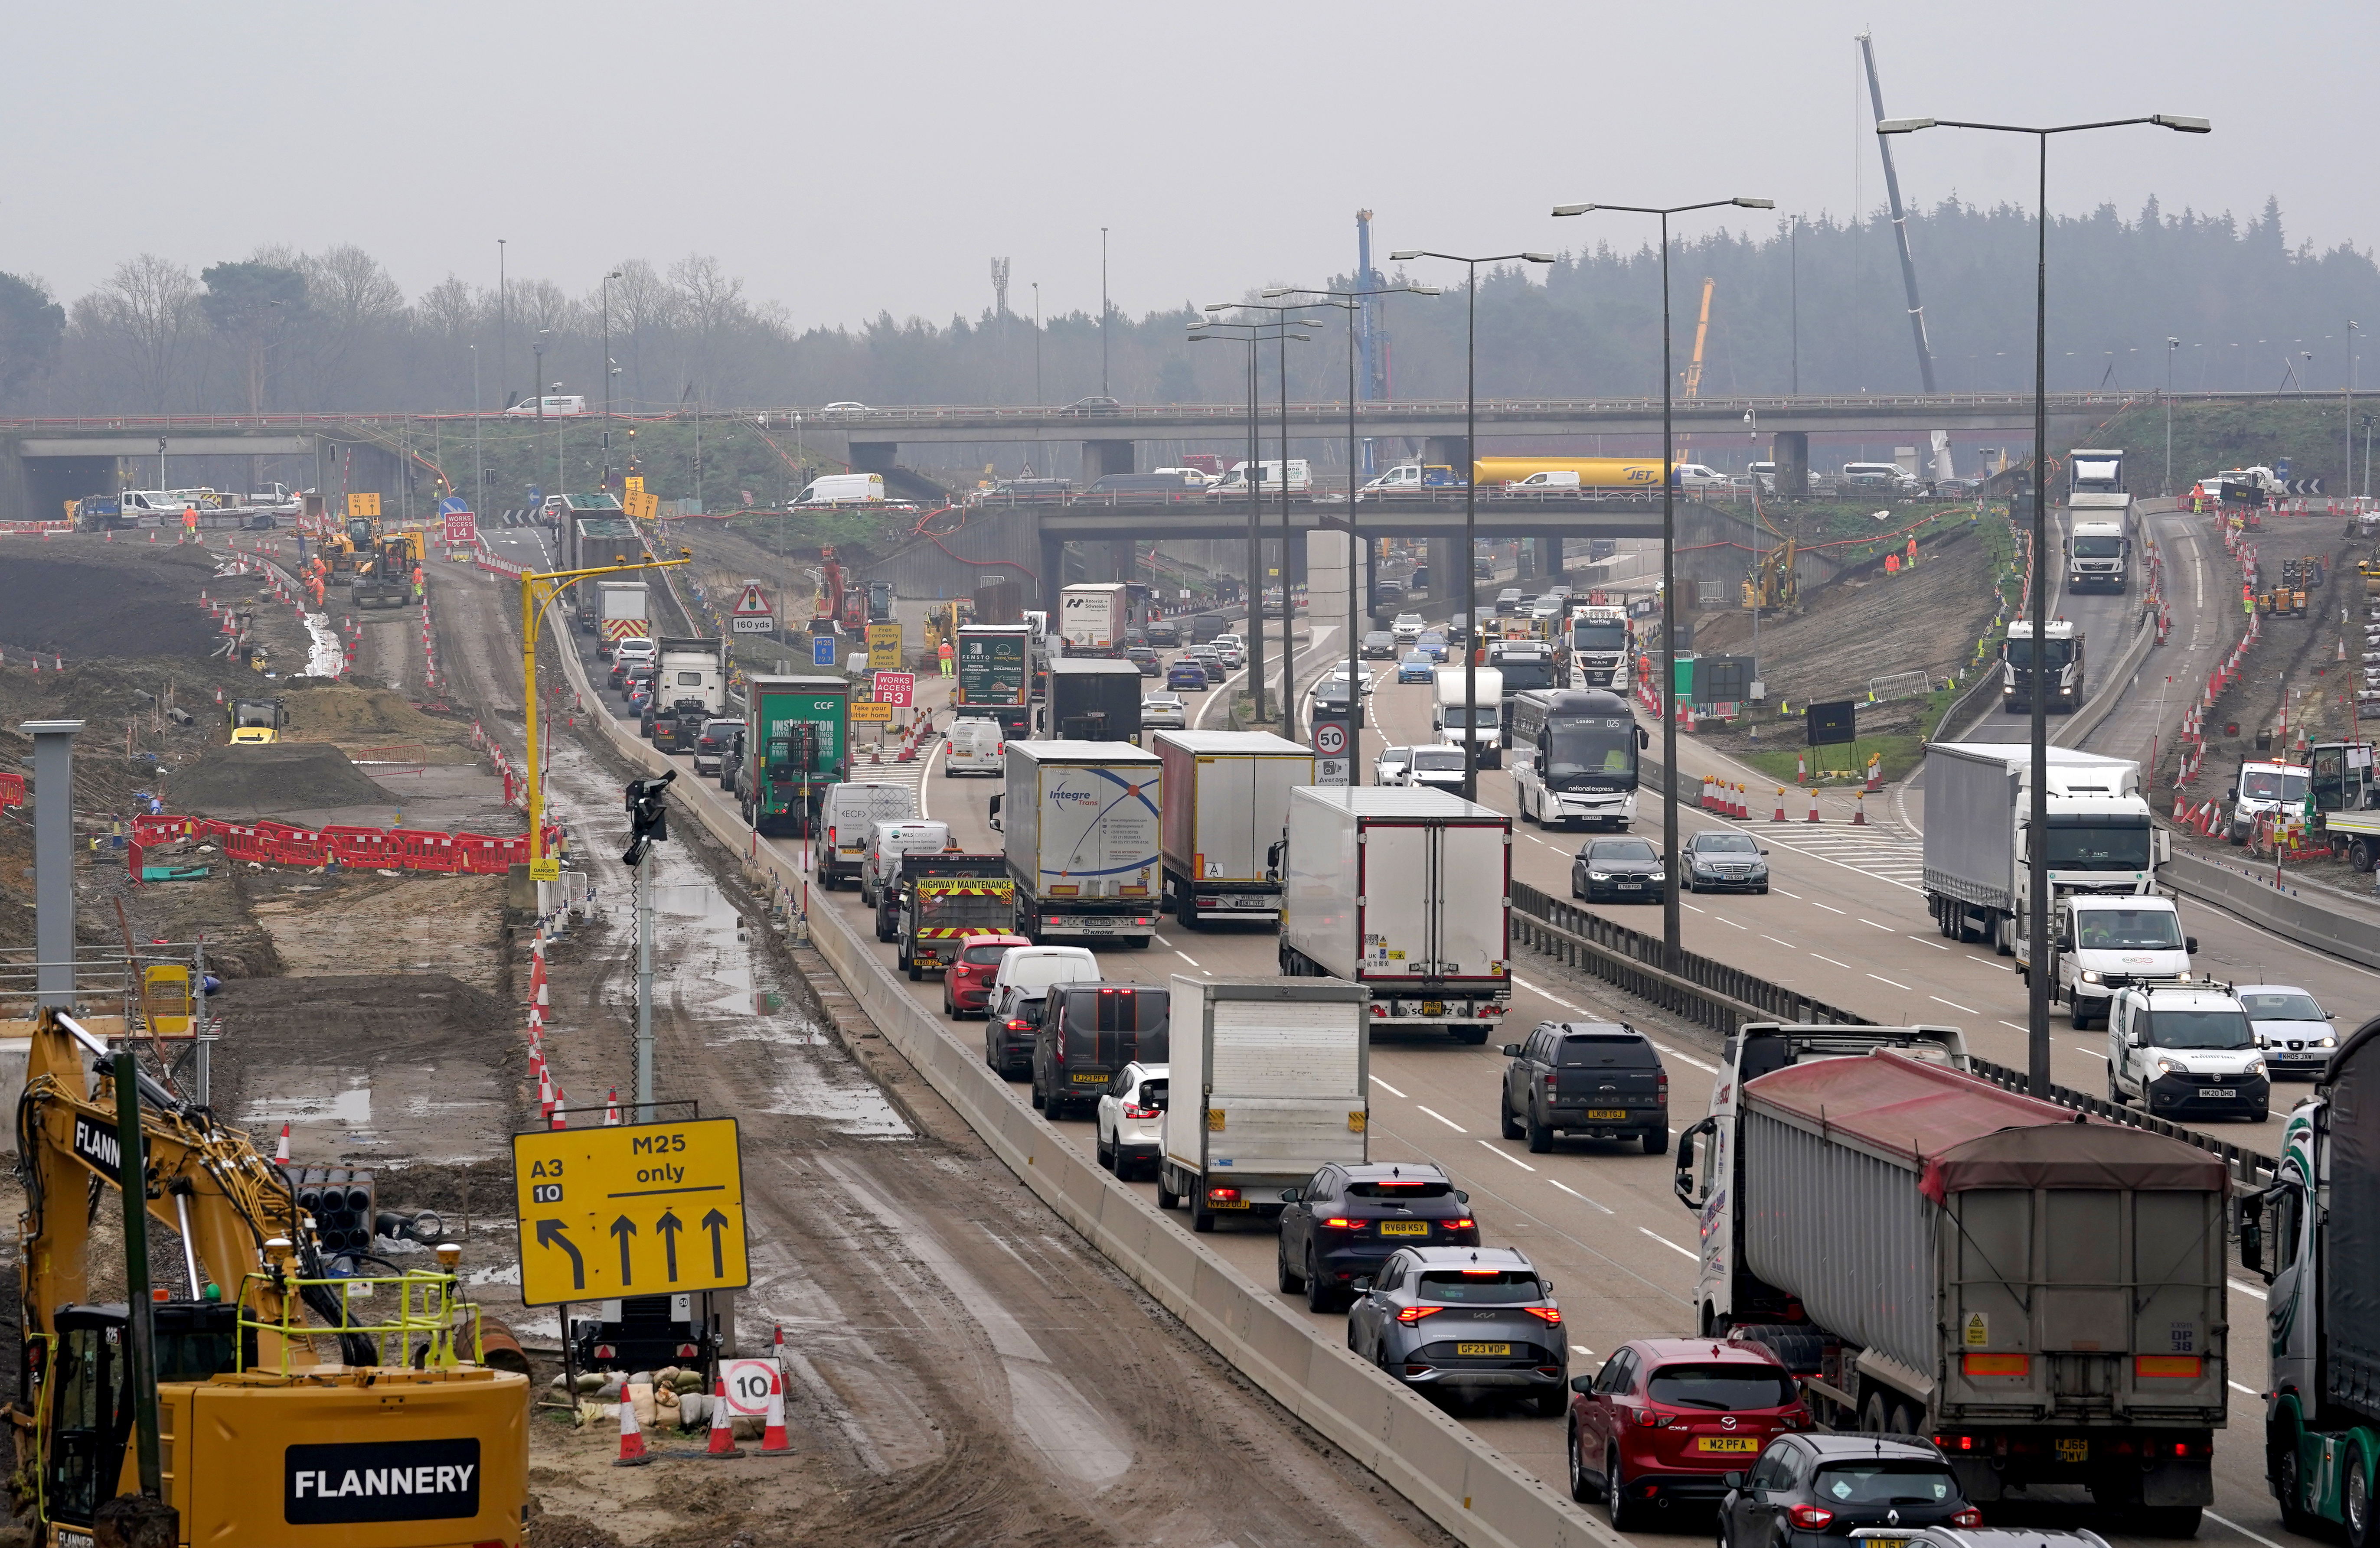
x=1462 y=1484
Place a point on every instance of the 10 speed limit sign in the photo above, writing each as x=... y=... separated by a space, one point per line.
x=1330 y=738
x=747 y=1386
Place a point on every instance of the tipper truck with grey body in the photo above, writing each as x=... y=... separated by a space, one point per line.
x=1978 y=804
x=1407 y=892
x=1080 y=823
x=2041 y=1294
x=1269 y=1079
x=1226 y=812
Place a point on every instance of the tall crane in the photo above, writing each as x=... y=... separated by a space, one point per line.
x=1899 y=222
x=1694 y=365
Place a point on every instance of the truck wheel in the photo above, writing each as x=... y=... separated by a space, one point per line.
x=1541 y=1136
x=2354 y=1502
x=1903 y=1423
x=1872 y=1418
x=915 y=973
x=2289 y=1487
x=1202 y=1219
x=2360 y=853
x=1187 y=911
x=2004 y=936
x=1166 y=1197
x=1473 y=1037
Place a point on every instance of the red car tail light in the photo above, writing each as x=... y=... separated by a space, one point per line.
x=1223 y=1195
x=1549 y=1314
x=1415 y=1314
x=1809 y=1518
x=1018 y=1023
x=1141 y=1114
x=1661 y=1088
x=1970 y=1516
x=1338 y=1223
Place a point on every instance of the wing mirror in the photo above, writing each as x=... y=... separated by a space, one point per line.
x=1733 y=1480
x=1460 y=1197
x=992 y=814
x=1290 y=1195
x=2136 y=1040
x=1581 y=1383
x=1362 y=1284
x=1643 y=739
x=2190 y=944
x=1511 y=1051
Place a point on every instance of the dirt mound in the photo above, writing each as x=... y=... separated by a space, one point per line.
x=376 y=724
x=136 y=605
x=245 y=784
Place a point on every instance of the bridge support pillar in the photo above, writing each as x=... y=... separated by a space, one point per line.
x=1053 y=571
x=1445 y=571
x=1447 y=451
x=1104 y=457
x=1791 y=451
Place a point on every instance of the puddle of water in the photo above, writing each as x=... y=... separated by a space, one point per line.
x=350 y=1107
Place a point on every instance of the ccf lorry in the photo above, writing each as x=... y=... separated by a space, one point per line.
x=1269 y=1082
x=1078 y=821
x=2040 y=1294
x=1226 y=810
x=797 y=745
x=1978 y=804
x=1408 y=893
x=2315 y=1238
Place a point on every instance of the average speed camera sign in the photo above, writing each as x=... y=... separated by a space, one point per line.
x=1330 y=738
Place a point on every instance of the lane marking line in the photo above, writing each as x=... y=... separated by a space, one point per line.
x=1725 y=920
x=1671 y=1245
x=1874 y=925
x=2249 y=1390
x=2236 y=1526
x=2094 y=1052
x=1795 y=896
x=1829 y=907
x=1934 y=944
x=1951 y=1003
x=1781 y=942
x=1831 y=962
x=1390 y=1089
x=1514 y=1160
x=1443 y=1119
x=1882 y=979
x=2246 y=1289
x=1187 y=958
x=1579 y=1196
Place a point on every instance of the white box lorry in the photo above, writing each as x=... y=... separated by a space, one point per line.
x=1092 y=619
x=1079 y=822
x=1407 y=892
x=1487 y=716
x=1226 y=814
x=1270 y=1080
x=2099 y=522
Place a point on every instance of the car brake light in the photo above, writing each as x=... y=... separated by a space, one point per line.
x=1142 y=1113
x=1549 y=1080
x=1661 y=1088
x=1809 y=1518
x=1459 y=1224
x=1222 y=1195
x=1550 y=1313
x=1415 y=1314
x=1017 y=1024
x=1338 y=1222
x=1970 y=1516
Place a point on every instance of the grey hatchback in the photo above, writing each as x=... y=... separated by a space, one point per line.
x=1813 y=1491
x=1472 y=1319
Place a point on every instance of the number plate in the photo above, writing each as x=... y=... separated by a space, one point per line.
x=1632 y=887
x=1090 y=1077
x=1404 y=1228
x=2215 y=1092
x=2074 y=1451
x=1730 y=1443
x=1606 y=1114
x=1483 y=1348
x=1227 y=1204
x=1883 y=1542
x=1433 y=1008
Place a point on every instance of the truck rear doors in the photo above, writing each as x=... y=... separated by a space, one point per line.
x=1434 y=902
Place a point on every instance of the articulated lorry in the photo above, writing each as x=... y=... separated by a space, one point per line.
x=1092 y=618
x=1095 y=700
x=2315 y=1238
x=2051 y=666
x=995 y=668
x=2099 y=517
x=1978 y=804
x=1270 y=1080
x=797 y=745
x=689 y=687
x=1079 y=821
x=2042 y=1294
x=1226 y=814
x=1407 y=892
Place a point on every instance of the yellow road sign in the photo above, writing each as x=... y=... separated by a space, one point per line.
x=546 y=869
x=645 y=1209
x=364 y=506
x=868 y=709
x=884 y=648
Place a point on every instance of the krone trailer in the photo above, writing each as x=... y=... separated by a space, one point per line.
x=1407 y=892
x=1078 y=821
x=1226 y=814
x=2041 y=1294
x=1271 y=1081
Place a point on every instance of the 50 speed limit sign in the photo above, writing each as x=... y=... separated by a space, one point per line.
x=1330 y=738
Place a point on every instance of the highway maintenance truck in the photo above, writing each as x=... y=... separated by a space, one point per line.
x=2314 y=1237
x=2040 y=1293
x=1226 y=818
x=995 y=664
x=623 y=613
x=943 y=899
x=1979 y=801
x=1407 y=892
x=1080 y=823
x=797 y=745
x=1271 y=1081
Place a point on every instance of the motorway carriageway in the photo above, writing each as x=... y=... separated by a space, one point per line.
x=1600 y=1220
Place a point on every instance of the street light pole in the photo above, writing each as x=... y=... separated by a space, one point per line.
x=1471 y=634
x=1671 y=922
x=607 y=378
x=2172 y=343
x=2037 y=900
x=1254 y=331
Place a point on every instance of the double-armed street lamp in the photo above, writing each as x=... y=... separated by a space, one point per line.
x=1670 y=921
x=1473 y=637
x=1208 y=332
x=2034 y=912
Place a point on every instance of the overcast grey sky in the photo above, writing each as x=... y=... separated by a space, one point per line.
x=848 y=159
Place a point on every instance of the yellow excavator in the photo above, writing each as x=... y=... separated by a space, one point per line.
x=1774 y=583
x=293 y=1407
x=386 y=577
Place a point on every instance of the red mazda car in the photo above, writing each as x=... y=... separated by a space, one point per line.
x=1668 y=1419
x=966 y=988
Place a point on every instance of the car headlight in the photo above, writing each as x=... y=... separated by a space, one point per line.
x=2328 y=1043
x=1598 y=875
x=2167 y=1067
x=2090 y=976
x=1657 y=875
x=2255 y=1067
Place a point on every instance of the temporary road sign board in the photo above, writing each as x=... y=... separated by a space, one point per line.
x=753 y=615
x=1330 y=738
x=747 y=1383
x=462 y=527
x=822 y=650
x=633 y=484
x=861 y=710
x=897 y=688
x=364 y=506
x=764 y=624
x=545 y=868
x=884 y=647
x=643 y=1209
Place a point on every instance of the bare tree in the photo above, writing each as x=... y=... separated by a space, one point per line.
x=149 y=304
x=644 y=309
x=350 y=299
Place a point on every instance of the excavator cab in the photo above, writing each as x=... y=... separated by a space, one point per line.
x=255 y=722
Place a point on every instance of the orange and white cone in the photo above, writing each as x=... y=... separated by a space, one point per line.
x=772 y=1434
x=611 y=1110
x=556 y=1119
x=723 y=1431
x=1859 y=809
x=1814 y=805
x=281 y=1150
x=1781 y=805
x=632 y=1440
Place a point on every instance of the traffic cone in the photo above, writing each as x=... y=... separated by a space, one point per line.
x=772 y=1434
x=1814 y=805
x=1781 y=805
x=632 y=1440
x=722 y=1434
x=1859 y=809
x=557 y=1119
x=1742 y=801
x=611 y=1110
x=281 y=1150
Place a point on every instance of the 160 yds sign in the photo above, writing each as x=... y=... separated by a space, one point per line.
x=647 y=1209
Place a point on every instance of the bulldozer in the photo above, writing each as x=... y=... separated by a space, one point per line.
x=385 y=579
x=257 y=721
x=294 y=1404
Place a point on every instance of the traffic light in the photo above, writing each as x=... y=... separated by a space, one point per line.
x=648 y=816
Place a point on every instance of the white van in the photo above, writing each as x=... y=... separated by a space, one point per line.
x=976 y=746
x=849 y=815
x=2186 y=1051
x=843 y=489
x=550 y=407
x=1267 y=475
x=1549 y=479
x=888 y=841
x=1032 y=968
